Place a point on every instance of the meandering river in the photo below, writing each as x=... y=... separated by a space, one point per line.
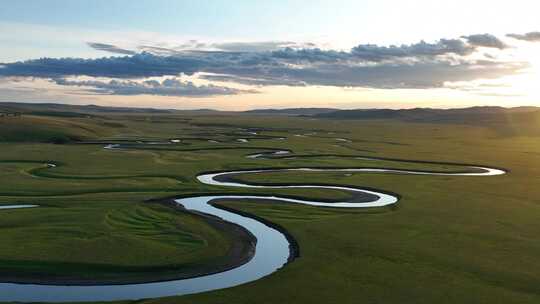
x=272 y=250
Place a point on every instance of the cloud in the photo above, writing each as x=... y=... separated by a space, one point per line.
x=385 y=76
x=313 y=55
x=138 y=65
x=486 y=40
x=419 y=65
x=531 y=36
x=110 y=48
x=258 y=46
x=167 y=87
x=230 y=47
x=254 y=79
x=157 y=50
x=373 y=52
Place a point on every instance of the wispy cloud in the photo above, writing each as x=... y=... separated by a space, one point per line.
x=195 y=45
x=110 y=48
x=263 y=46
x=531 y=36
x=167 y=87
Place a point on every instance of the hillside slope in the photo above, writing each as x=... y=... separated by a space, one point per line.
x=28 y=128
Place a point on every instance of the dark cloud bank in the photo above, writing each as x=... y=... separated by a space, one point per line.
x=420 y=65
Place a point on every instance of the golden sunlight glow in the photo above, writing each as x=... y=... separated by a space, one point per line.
x=526 y=84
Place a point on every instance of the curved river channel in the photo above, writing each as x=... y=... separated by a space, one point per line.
x=272 y=252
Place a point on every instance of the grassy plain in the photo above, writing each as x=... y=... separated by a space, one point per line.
x=452 y=239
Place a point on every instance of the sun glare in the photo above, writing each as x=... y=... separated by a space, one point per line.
x=526 y=83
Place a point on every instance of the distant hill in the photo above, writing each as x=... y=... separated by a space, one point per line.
x=292 y=111
x=463 y=115
x=54 y=109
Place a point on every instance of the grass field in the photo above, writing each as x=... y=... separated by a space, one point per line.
x=451 y=239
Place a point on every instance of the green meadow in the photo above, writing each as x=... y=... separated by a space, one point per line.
x=450 y=239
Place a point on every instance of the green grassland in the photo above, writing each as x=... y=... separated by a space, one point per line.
x=451 y=239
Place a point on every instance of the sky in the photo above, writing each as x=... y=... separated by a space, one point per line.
x=238 y=55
